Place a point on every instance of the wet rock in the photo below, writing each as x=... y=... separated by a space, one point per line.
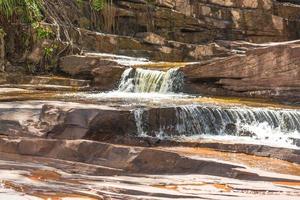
x=11 y=128
x=114 y=122
x=93 y=124
x=230 y=129
x=296 y=141
x=246 y=133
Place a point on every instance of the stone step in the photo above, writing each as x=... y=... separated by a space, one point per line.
x=47 y=80
x=60 y=81
x=151 y=46
x=46 y=87
x=67 y=120
x=106 y=69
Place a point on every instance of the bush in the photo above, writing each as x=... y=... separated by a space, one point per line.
x=24 y=10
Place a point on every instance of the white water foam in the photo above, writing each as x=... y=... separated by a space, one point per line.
x=122 y=60
x=248 y=125
x=151 y=81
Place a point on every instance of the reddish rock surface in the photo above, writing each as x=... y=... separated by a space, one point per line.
x=263 y=71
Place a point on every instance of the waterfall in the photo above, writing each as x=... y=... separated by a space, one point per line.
x=193 y=119
x=138 y=116
x=199 y=120
x=148 y=81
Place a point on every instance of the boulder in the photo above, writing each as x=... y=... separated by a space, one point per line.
x=107 y=78
x=82 y=65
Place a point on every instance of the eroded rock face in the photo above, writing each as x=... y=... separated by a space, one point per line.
x=202 y=21
x=82 y=66
x=105 y=73
x=151 y=46
x=192 y=21
x=87 y=123
x=265 y=71
x=107 y=78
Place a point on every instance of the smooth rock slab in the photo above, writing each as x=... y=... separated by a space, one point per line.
x=269 y=70
x=53 y=178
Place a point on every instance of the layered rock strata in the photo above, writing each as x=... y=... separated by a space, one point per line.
x=270 y=70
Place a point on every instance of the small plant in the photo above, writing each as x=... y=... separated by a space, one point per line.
x=42 y=31
x=48 y=51
x=97 y=5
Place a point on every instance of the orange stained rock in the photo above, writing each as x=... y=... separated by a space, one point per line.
x=61 y=196
x=46 y=195
x=220 y=186
x=14 y=186
x=242 y=101
x=169 y=187
x=264 y=163
x=287 y=183
x=46 y=175
x=223 y=187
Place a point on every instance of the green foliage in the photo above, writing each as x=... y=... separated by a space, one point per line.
x=2 y=32
x=98 y=4
x=26 y=10
x=48 y=51
x=42 y=31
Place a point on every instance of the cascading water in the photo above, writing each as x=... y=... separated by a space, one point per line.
x=216 y=120
x=168 y=118
x=260 y=124
x=151 y=81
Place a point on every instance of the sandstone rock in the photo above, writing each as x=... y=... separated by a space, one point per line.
x=113 y=122
x=82 y=66
x=196 y=21
x=251 y=20
x=287 y=11
x=116 y=159
x=107 y=78
x=265 y=71
x=151 y=38
x=87 y=123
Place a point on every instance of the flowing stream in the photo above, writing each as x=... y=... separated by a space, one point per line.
x=189 y=121
x=262 y=125
x=170 y=118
